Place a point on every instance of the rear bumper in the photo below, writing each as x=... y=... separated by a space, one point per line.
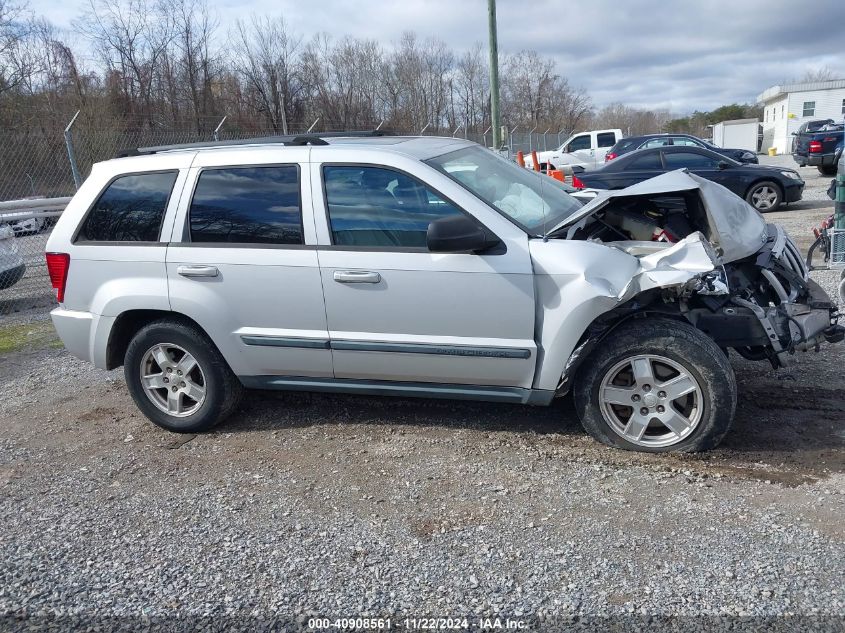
x=815 y=160
x=84 y=334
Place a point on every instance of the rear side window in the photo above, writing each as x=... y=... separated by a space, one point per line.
x=605 y=139
x=646 y=161
x=247 y=205
x=379 y=207
x=689 y=160
x=129 y=210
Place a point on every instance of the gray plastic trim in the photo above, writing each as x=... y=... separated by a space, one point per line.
x=402 y=389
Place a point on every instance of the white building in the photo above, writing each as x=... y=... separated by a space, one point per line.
x=786 y=107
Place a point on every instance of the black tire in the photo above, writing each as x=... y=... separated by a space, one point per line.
x=680 y=343
x=827 y=170
x=758 y=187
x=223 y=390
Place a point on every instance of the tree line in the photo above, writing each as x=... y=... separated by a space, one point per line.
x=161 y=64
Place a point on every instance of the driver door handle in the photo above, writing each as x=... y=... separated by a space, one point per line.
x=356 y=277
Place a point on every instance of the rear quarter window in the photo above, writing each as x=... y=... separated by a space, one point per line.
x=130 y=209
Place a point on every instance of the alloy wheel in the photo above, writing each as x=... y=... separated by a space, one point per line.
x=651 y=400
x=764 y=198
x=172 y=379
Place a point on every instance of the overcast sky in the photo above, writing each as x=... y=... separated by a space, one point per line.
x=677 y=54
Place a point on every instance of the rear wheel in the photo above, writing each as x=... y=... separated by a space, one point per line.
x=178 y=378
x=656 y=386
x=765 y=196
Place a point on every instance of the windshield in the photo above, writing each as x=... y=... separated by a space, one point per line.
x=531 y=200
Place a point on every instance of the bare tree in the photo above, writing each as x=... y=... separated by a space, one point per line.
x=16 y=62
x=266 y=59
x=131 y=37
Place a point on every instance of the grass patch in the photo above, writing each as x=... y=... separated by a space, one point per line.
x=39 y=334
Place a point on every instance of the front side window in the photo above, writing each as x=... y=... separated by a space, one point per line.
x=579 y=142
x=131 y=209
x=532 y=201
x=605 y=139
x=689 y=160
x=247 y=205
x=809 y=108
x=380 y=207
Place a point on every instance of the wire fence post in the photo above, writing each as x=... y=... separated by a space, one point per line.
x=317 y=120
x=484 y=135
x=216 y=135
x=545 y=143
x=71 y=154
x=510 y=139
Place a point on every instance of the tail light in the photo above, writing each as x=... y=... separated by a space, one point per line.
x=815 y=147
x=58 y=265
x=610 y=156
x=576 y=182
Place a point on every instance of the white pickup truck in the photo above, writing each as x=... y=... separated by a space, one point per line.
x=585 y=149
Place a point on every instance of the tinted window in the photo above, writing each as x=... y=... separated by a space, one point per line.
x=686 y=142
x=647 y=161
x=625 y=146
x=579 y=142
x=689 y=160
x=605 y=139
x=248 y=205
x=129 y=210
x=374 y=206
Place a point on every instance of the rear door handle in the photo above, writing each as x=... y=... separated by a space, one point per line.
x=356 y=277
x=197 y=271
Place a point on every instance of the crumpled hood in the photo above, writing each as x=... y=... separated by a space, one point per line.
x=736 y=228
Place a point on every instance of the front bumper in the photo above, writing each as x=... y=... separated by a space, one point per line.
x=11 y=276
x=794 y=193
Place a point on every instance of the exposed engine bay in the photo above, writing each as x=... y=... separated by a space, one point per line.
x=754 y=295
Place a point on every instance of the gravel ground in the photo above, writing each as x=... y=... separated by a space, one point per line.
x=318 y=505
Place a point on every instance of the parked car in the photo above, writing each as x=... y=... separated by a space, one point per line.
x=585 y=149
x=763 y=186
x=29 y=226
x=820 y=148
x=423 y=267
x=12 y=267
x=647 y=141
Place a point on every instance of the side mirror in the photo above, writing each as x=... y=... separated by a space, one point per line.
x=724 y=164
x=458 y=234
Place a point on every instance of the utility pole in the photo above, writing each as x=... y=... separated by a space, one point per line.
x=495 y=121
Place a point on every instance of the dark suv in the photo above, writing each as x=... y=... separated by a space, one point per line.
x=632 y=143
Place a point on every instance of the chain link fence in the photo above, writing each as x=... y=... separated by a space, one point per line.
x=37 y=178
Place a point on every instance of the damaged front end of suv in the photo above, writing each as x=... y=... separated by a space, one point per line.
x=707 y=257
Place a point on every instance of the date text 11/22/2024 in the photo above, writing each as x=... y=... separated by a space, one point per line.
x=421 y=623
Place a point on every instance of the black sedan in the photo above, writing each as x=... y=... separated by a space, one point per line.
x=648 y=141
x=765 y=187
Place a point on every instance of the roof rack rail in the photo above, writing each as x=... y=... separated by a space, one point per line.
x=288 y=140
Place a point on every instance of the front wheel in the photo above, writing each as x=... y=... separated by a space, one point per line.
x=178 y=378
x=656 y=386
x=765 y=196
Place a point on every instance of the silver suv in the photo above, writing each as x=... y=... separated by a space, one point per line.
x=424 y=267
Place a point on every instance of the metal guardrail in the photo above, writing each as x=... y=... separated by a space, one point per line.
x=25 y=226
